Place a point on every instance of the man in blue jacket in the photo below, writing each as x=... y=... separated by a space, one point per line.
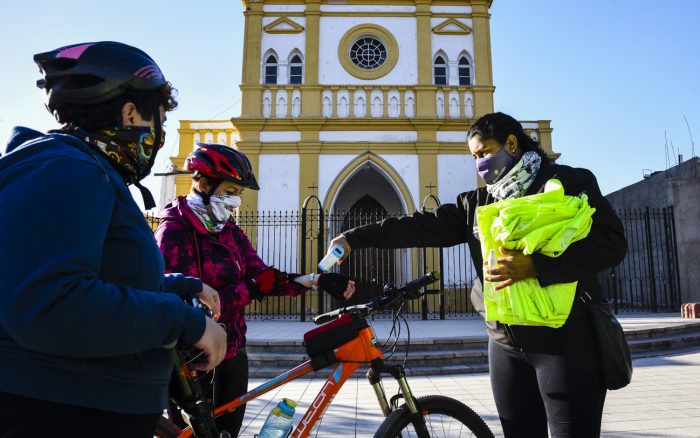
x=86 y=320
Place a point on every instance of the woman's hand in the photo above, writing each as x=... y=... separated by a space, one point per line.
x=340 y=240
x=337 y=285
x=213 y=345
x=512 y=266
x=350 y=290
x=210 y=298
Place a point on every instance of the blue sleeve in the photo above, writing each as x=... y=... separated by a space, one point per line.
x=54 y=224
x=185 y=287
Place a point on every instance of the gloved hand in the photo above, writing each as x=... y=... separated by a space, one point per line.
x=337 y=285
x=267 y=281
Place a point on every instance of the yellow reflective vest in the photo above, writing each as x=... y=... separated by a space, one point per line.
x=548 y=223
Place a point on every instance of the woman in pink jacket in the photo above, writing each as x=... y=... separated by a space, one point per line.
x=199 y=237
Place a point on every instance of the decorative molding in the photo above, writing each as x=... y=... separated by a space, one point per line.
x=284 y=25
x=368 y=14
x=358 y=162
x=284 y=14
x=452 y=26
x=372 y=30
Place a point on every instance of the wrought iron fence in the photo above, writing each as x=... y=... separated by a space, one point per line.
x=648 y=278
x=294 y=241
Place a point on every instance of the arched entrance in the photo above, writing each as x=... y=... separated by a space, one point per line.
x=367 y=197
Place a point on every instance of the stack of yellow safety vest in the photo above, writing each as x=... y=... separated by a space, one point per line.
x=548 y=223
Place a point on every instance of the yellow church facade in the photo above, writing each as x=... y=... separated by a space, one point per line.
x=355 y=99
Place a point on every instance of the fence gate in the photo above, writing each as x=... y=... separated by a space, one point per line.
x=648 y=278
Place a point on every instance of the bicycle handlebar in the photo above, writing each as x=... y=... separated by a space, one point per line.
x=408 y=291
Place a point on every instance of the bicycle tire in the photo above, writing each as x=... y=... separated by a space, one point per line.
x=167 y=429
x=436 y=410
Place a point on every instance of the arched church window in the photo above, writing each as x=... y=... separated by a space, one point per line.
x=281 y=107
x=410 y=107
x=454 y=107
x=440 y=71
x=440 y=107
x=271 y=70
x=296 y=70
x=465 y=76
x=393 y=107
x=327 y=107
x=296 y=106
x=360 y=107
x=343 y=107
x=267 y=107
x=368 y=53
x=468 y=108
x=377 y=109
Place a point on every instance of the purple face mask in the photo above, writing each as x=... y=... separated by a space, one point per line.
x=492 y=168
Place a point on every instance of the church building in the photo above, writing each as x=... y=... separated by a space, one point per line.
x=364 y=103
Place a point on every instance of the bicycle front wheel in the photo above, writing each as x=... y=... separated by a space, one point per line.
x=443 y=416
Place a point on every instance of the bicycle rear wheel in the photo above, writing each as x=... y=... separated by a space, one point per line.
x=443 y=416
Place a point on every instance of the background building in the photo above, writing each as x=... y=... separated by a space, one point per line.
x=365 y=104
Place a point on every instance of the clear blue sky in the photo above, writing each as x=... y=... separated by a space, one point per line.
x=611 y=75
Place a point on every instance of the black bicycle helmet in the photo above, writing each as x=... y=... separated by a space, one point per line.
x=92 y=73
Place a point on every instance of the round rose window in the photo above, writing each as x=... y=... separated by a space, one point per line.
x=368 y=53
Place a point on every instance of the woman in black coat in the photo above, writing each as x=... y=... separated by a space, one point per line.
x=541 y=377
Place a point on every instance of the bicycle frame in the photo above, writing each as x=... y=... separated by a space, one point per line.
x=361 y=350
x=351 y=356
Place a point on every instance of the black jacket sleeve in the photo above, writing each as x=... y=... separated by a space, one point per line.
x=603 y=248
x=445 y=226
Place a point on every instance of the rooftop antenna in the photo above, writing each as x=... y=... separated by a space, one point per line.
x=666 y=149
x=692 y=145
x=673 y=151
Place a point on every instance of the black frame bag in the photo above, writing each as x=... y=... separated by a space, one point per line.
x=615 y=357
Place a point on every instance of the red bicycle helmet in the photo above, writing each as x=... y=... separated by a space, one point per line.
x=223 y=163
x=91 y=73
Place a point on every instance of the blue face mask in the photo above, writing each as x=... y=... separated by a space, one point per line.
x=492 y=168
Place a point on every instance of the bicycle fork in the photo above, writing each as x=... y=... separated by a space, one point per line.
x=399 y=374
x=192 y=401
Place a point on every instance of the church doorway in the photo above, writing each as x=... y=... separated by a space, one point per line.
x=368 y=197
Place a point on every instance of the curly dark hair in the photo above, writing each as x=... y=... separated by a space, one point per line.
x=498 y=126
x=108 y=115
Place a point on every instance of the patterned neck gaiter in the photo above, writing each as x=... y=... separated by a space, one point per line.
x=516 y=182
x=131 y=149
x=221 y=207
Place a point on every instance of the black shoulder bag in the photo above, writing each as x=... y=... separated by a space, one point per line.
x=615 y=358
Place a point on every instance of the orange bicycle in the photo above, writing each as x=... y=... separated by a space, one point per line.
x=345 y=341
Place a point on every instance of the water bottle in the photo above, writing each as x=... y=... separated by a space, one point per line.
x=279 y=421
x=490 y=292
x=493 y=259
x=331 y=258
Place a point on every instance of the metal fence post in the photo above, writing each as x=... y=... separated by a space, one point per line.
x=675 y=256
x=320 y=241
x=650 y=252
x=302 y=265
